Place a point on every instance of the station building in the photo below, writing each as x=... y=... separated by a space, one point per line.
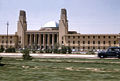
x=56 y=34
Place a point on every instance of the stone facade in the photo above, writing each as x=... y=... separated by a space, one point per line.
x=48 y=37
x=82 y=42
x=9 y=41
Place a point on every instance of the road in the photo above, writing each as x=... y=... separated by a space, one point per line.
x=19 y=55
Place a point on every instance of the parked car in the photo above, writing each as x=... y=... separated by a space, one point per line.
x=110 y=52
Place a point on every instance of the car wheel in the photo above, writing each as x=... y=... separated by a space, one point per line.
x=101 y=56
x=118 y=56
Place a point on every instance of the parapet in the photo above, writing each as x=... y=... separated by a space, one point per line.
x=22 y=13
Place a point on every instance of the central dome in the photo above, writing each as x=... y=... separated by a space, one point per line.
x=51 y=24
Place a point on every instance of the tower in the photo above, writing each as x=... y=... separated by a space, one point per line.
x=63 y=25
x=21 y=29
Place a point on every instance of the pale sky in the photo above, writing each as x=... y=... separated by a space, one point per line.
x=84 y=16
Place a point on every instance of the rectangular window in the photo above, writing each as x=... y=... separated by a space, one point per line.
x=88 y=47
x=78 y=48
x=68 y=37
x=93 y=42
x=62 y=42
x=109 y=42
x=73 y=42
x=11 y=37
x=68 y=41
x=10 y=42
x=88 y=42
x=93 y=37
x=114 y=36
x=73 y=37
x=88 y=36
x=19 y=41
x=103 y=36
x=2 y=41
x=103 y=42
x=114 y=42
x=103 y=47
x=83 y=37
x=83 y=42
x=2 y=37
x=78 y=42
x=98 y=47
x=83 y=48
x=6 y=41
x=98 y=37
x=98 y=42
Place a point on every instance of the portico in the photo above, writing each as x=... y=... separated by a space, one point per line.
x=42 y=40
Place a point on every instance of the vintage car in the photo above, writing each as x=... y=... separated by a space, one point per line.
x=110 y=52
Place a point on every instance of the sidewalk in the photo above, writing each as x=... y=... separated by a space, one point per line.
x=19 y=55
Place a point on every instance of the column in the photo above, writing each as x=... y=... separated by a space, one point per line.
x=35 y=42
x=57 y=38
x=53 y=40
x=30 y=40
x=35 y=36
x=49 y=40
x=27 y=40
x=33 y=39
x=44 y=40
x=40 y=40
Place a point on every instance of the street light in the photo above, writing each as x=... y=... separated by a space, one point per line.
x=7 y=33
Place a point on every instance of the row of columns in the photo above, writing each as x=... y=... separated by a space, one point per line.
x=42 y=40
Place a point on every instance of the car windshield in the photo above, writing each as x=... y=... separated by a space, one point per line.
x=114 y=49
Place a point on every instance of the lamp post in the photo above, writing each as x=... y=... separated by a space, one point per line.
x=7 y=34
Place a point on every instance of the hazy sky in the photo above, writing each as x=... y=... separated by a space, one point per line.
x=85 y=16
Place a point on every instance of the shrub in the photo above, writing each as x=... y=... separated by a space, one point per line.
x=69 y=50
x=48 y=50
x=33 y=51
x=63 y=50
x=90 y=52
x=26 y=55
x=41 y=51
x=10 y=50
x=2 y=49
x=0 y=59
x=55 y=51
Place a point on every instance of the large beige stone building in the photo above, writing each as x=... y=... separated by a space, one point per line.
x=48 y=37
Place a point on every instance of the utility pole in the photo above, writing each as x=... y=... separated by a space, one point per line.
x=7 y=33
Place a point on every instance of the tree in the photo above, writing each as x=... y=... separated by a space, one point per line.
x=26 y=55
x=63 y=49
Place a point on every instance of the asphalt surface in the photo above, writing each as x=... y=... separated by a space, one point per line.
x=19 y=55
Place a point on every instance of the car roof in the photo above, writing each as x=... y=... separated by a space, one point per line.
x=115 y=47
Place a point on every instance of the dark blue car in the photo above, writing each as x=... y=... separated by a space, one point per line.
x=111 y=52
